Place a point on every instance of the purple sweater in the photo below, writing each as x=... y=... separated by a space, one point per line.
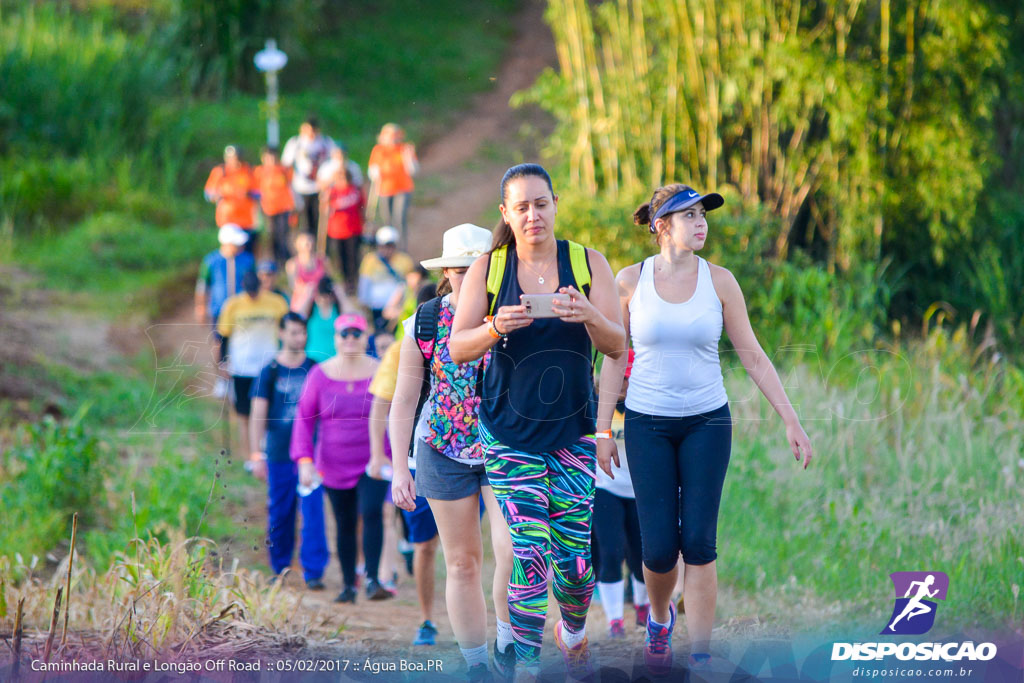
x=342 y=448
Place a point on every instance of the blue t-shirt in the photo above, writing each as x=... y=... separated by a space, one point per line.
x=213 y=279
x=282 y=394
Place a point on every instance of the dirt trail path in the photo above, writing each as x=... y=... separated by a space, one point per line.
x=457 y=183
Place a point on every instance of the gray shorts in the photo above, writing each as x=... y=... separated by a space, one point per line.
x=442 y=478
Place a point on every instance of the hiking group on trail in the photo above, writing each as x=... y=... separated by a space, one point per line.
x=476 y=397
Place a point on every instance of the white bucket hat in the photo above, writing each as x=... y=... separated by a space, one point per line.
x=461 y=246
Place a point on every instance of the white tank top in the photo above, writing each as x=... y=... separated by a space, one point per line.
x=676 y=370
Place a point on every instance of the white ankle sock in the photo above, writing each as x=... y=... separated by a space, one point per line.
x=612 y=599
x=639 y=592
x=474 y=655
x=571 y=639
x=506 y=636
x=658 y=623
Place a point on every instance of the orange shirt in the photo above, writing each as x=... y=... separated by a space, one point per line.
x=231 y=189
x=274 y=185
x=394 y=178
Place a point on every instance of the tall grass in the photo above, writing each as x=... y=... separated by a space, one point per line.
x=163 y=599
x=171 y=477
x=920 y=463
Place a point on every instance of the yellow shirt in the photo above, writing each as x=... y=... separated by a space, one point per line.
x=376 y=283
x=386 y=378
x=251 y=324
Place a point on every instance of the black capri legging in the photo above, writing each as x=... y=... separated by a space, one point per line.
x=368 y=498
x=678 y=463
x=615 y=535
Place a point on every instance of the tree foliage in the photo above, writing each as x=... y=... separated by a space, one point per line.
x=864 y=125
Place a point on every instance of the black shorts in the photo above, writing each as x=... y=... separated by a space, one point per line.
x=240 y=388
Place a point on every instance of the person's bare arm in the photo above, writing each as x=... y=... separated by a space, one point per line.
x=257 y=432
x=402 y=421
x=378 y=427
x=200 y=308
x=612 y=371
x=470 y=338
x=756 y=361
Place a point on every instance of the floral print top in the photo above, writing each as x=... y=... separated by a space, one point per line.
x=453 y=403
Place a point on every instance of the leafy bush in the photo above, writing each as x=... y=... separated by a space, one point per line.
x=75 y=82
x=51 y=471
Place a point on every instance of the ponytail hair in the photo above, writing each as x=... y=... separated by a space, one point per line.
x=503 y=235
x=644 y=215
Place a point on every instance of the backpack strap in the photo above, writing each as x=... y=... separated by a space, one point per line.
x=580 y=262
x=426 y=326
x=426 y=335
x=495 y=275
x=274 y=368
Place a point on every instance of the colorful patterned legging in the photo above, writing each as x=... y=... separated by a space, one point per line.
x=548 y=501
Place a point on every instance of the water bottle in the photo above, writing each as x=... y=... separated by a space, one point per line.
x=313 y=486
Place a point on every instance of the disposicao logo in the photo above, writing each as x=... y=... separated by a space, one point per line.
x=914 y=614
x=914 y=611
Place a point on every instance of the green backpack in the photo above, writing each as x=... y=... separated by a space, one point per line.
x=496 y=271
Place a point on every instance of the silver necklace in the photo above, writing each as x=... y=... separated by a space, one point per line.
x=540 y=275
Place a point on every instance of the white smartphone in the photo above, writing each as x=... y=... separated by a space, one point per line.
x=539 y=305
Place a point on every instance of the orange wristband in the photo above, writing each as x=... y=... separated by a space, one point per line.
x=303 y=461
x=606 y=434
x=491 y=329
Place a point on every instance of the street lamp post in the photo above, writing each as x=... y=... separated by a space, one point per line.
x=270 y=60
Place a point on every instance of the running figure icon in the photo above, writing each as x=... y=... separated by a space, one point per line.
x=915 y=607
x=917 y=594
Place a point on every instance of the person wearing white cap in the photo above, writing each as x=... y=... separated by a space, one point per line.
x=450 y=470
x=220 y=278
x=220 y=275
x=381 y=273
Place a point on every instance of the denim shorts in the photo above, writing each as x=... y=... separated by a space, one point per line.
x=443 y=478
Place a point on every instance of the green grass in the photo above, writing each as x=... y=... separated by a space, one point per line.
x=139 y=460
x=917 y=468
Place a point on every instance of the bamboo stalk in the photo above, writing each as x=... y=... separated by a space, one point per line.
x=695 y=102
x=67 y=585
x=672 y=99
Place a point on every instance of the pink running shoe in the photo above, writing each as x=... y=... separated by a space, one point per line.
x=658 y=645
x=641 y=614
x=616 y=629
x=577 y=659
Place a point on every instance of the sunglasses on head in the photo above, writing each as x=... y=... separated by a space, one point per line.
x=353 y=332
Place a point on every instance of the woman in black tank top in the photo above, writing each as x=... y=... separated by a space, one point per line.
x=538 y=406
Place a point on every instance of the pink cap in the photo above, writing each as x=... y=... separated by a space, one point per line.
x=347 y=321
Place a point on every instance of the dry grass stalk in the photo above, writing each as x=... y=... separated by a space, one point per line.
x=53 y=625
x=18 y=632
x=67 y=586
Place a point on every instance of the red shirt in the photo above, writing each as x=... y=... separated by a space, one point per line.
x=346 y=219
